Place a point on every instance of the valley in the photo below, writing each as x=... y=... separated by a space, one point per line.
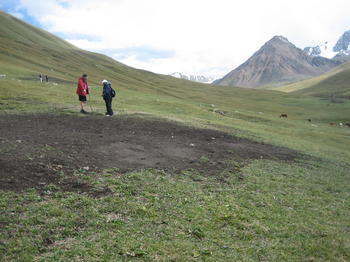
x=184 y=171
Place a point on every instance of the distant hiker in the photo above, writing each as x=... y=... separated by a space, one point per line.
x=82 y=91
x=108 y=94
x=41 y=78
x=46 y=78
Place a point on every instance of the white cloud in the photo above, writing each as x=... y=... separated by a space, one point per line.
x=206 y=36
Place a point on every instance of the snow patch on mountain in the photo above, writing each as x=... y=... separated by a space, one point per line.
x=195 y=78
x=331 y=49
x=177 y=75
x=282 y=38
x=324 y=50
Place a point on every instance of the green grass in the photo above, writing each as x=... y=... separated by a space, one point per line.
x=268 y=211
x=271 y=211
x=329 y=85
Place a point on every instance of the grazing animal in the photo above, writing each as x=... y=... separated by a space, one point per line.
x=283 y=116
x=309 y=120
x=332 y=124
x=219 y=112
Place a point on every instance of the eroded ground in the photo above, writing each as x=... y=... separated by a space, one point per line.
x=36 y=149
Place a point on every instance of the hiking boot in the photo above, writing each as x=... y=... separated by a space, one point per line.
x=83 y=111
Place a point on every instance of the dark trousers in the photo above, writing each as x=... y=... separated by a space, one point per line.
x=108 y=101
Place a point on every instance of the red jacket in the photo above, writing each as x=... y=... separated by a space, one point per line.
x=83 y=88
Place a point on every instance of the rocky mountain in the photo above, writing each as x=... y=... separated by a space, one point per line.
x=195 y=78
x=343 y=44
x=277 y=61
x=339 y=50
x=325 y=50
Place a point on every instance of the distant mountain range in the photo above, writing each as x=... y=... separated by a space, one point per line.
x=339 y=51
x=279 y=61
x=195 y=78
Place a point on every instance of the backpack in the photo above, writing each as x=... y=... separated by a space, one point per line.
x=113 y=92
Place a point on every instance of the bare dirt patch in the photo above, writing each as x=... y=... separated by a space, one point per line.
x=36 y=149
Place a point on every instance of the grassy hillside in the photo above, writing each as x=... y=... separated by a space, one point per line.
x=259 y=210
x=334 y=83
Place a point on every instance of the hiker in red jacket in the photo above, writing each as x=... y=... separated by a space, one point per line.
x=82 y=91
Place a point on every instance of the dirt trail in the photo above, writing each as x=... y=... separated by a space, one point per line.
x=34 y=149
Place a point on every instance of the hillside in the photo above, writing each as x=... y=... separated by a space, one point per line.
x=36 y=51
x=331 y=84
x=277 y=61
x=335 y=86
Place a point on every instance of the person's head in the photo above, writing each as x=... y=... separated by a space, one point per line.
x=104 y=82
x=85 y=76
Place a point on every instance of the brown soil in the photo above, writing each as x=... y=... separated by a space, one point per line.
x=36 y=149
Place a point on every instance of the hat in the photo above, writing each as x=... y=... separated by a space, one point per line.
x=104 y=81
x=85 y=75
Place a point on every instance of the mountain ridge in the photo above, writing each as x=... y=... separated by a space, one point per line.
x=277 y=61
x=339 y=50
x=25 y=46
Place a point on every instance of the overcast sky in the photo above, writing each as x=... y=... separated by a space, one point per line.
x=209 y=37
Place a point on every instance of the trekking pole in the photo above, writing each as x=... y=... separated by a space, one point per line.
x=90 y=103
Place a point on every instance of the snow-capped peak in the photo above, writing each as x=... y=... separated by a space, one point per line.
x=331 y=49
x=325 y=50
x=343 y=44
x=282 y=38
x=195 y=78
